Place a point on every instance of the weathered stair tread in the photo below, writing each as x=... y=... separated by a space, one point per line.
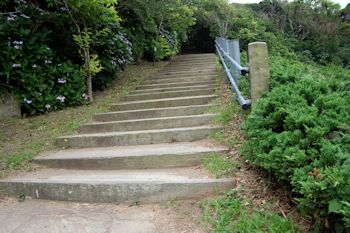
x=134 y=151
x=148 y=123
x=152 y=112
x=172 y=89
x=169 y=94
x=142 y=137
x=140 y=131
x=131 y=157
x=175 y=84
x=116 y=186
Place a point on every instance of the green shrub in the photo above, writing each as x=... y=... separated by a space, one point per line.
x=300 y=133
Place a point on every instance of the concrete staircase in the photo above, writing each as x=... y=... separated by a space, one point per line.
x=147 y=149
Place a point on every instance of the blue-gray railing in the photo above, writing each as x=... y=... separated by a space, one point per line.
x=229 y=53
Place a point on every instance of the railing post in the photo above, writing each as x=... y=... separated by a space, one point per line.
x=234 y=50
x=259 y=70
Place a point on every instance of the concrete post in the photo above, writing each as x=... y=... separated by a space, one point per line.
x=259 y=70
x=9 y=107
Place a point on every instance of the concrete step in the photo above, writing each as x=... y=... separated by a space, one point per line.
x=131 y=157
x=143 y=137
x=175 y=84
x=163 y=103
x=152 y=113
x=131 y=186
x=147 y=123
x=168 y=94
x=189 y=68
x=179 y=79
x=182 y=74
x=147 y=91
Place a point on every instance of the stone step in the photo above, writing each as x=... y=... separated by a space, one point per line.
x=163 y=103
x=179 y=79
x=186 y=70
x=168 y=94
x=152 y=113
x=182 y=74
x=131 y=157
x=143 y=137
x=120 y=186
x=147 y=123
x=175 y=84
x=166 y=89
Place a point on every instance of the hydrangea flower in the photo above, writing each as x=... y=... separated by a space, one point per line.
x=12 y=17
x=25 y=16
x=47 y=106
x=16 y=65
x=61 y=98
x=61 y=80
x=27 y=101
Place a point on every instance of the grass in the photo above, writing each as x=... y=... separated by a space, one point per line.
x=233 y=214
x=21 y=140
x=220 y=165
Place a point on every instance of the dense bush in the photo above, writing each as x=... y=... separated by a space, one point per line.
x=300 y=133
x=39 y=59
x=156 y=29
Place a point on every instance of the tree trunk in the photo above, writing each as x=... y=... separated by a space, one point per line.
x=89 y=87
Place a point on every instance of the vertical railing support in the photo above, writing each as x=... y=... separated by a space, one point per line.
x=259 y=70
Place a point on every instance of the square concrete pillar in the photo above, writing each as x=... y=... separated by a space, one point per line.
x=259 y=70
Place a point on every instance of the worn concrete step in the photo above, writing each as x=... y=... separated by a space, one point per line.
x=142 y=137
x=148 y=123
x=175 y=84
x=168 y=94
x=186 y=70
x=188 y=67
x=131 y=186
x=166 y=89
x=131 y=157
x=182 y=74
x=152 y=113
x=179 y=79
x=163 y=103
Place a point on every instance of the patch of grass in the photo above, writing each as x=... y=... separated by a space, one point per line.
x=220 y=165
x=19 y=160
x=227 y=113
x=23 y=139
x=232 y=214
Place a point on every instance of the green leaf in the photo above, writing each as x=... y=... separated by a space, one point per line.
x=334 y=206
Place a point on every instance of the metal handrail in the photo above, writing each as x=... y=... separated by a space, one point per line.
x=232 y=49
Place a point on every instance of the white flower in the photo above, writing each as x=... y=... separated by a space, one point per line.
x=27 y=101
x=34 y=66
x=18 y=42
x=61 y=98
x=48 y=62
x=85 y=96
x=25 y=16
x=12 y=17
x=47 y=106
x=16 y=65
x=61 y=80
x=17 y=47
x=59 y=65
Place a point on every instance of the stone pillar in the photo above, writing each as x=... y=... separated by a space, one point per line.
x=259 y=70
x=9 y=108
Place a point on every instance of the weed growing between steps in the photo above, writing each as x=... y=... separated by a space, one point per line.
x=220 y=165
x=23 y=139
